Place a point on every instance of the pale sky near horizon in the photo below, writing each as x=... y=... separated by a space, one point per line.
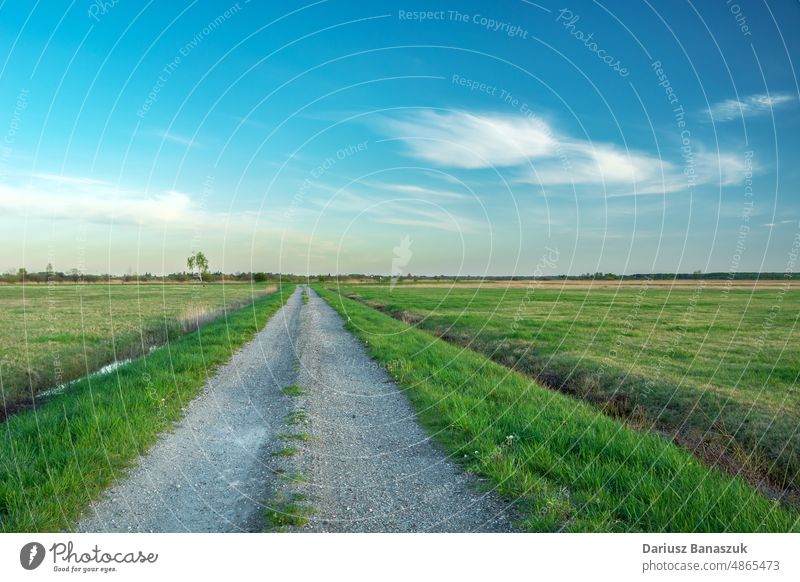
x=335 y=136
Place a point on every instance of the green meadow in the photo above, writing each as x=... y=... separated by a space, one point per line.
x=51 y=334
x=564 y=464
x=713 y=369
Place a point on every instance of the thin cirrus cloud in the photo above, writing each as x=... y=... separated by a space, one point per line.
x=464 y=140
x=758 y=104
x=408 y=211
x=95 y=205
x=774 y=224
x=76 y=199
x=81 y=199
x=52 y=196
x=177 y=138
x=414 y=190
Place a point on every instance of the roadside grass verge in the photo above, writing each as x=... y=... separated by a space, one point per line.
x=58 y=456
x=566 y=466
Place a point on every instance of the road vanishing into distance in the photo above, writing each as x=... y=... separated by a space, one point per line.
x=300 y=420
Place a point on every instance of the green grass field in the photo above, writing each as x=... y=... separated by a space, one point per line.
x=717 y=371
x=567 y=466
x=54 y=334
x=56 y=458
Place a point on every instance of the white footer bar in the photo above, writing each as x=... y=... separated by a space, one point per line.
x=377 y=557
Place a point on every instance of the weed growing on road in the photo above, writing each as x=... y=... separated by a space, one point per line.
x=297 y=417
x=287 y=511
x=297 y=477
x=293 y=390
x=286 y=452
x=294 y=436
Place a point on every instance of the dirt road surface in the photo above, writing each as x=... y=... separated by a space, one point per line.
x=358 y=458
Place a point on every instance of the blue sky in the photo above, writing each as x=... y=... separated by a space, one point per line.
x=317 y=137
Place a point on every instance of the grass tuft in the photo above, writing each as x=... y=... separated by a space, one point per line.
x=293 y=391
x=287 y=512
x=295 y=436
x=296 y=477
x=298 y=417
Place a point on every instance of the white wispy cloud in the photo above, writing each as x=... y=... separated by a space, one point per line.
x=774 y=224
x=397 y=212
x=464 y=140
x=91 y=201
x=174 y=219
x=177 y=138
x=598 y=164
x=758 y=104
x=459 y=139
x=420 y=191
x=84 y=199
x=250 y=122
x=70 y=180
x=436 y=218
x=718 y=169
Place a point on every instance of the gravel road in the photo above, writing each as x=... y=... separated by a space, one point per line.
x=365 y=464
x=214 y=471
x=369 y=465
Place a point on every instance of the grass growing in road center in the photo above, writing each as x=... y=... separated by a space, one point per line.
x=56 y=458
x=293 y=390
x=568 y=466
x=287 y=511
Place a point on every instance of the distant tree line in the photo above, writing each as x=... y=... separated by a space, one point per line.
x=197 y=274
x=75 y=276
x=744 y=276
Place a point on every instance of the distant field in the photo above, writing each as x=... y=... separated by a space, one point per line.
x=53 y=334
x=605 y=283
x=714 y=367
